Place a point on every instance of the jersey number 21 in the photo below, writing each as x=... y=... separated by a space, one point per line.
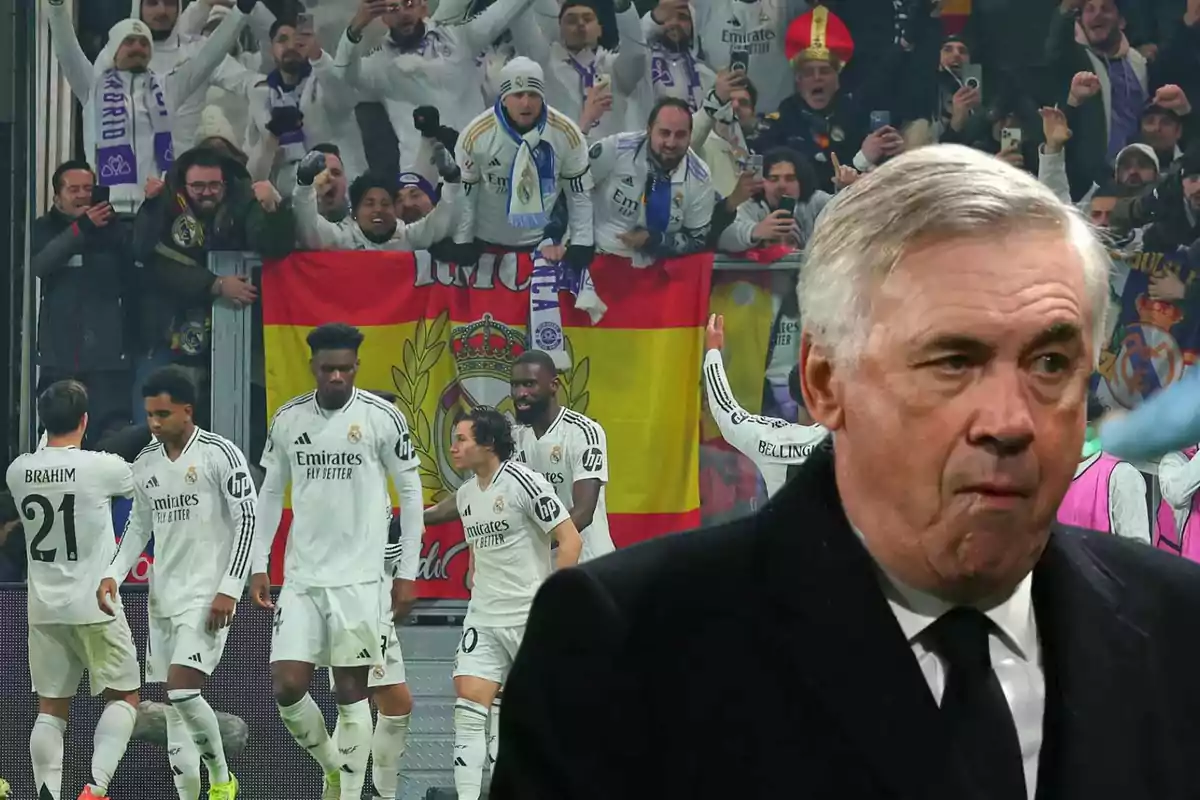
x=67 y=509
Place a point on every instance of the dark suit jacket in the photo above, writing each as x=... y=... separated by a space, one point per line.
x=760 y=659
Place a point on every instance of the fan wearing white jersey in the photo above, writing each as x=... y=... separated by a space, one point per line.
x=63 y=494
x=775 y=446
x=193 y=493
x=510 y=514
x=516 y=158
x=337 y=447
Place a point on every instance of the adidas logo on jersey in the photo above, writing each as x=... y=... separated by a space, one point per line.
x=627 y=180
x=195 y=658
x=303 y=439
x=364 y=654
x=467 y=512
x=495 y=162
x=152 y=483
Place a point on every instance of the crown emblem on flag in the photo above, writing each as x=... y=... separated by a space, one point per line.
x=486 y=347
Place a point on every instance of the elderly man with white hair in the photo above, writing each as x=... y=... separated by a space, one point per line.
x=905 y=618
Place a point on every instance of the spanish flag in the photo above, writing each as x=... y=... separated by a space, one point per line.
x=443 y=339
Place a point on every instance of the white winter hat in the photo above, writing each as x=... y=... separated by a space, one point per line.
x=214 y=124
x=1144 y=149
x=126 y=28
x=522 y=75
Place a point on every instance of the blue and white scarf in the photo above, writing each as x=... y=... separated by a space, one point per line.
x=533 y=175
x=279 y=95
x=116 y=157
x=545 y=311
x=663 y=77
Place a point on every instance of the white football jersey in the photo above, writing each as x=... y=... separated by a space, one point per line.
x=200 y=508
x=338 y=464
x=508 y=527
x=776 y=446
x=63 y=496
x=574 y=448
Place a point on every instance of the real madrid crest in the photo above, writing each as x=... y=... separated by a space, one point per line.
x=355 y=434
x=191 y=476
x=519 y=82
x=677 y=200
x=498 y=506
x=378 y=672
x=837 y=134
x=187 y=231
x=555 y=454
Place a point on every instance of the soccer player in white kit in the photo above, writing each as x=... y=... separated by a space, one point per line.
x=192 y=492
x=337 y=447
x=63 y=494
x=510 y=514
x=777 y=447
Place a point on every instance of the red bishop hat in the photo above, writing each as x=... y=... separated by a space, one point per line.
x=818 y=36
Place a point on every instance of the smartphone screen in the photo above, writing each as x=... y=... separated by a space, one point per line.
x=880 y=119
x=756 y=165
x=739 y=59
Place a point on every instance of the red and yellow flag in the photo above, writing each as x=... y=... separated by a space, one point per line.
x=444 y=339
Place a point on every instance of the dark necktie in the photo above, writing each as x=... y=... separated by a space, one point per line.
x=978 y=719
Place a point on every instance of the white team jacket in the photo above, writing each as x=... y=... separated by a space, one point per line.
x=178 y=84
x=619 y=169
x=443 y=72
x=485 y=154
x=772 y=444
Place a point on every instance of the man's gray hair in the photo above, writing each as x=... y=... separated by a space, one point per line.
x=940 y=192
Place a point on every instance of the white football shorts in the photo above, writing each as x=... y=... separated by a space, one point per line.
x=329 y=626
x=487 y=653
x=59 y=654
x=183 y=639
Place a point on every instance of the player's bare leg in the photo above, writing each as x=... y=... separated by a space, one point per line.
x=394 y=704
x=475 y=697
x=203 y=732
x=110 y=740
x=46 y=745
x=493 y=731
x=354 y=728
x=302 y=718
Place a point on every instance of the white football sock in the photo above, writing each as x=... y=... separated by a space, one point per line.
x=183 y=756
x=493 y=736
x=202 y=724
x=46 y=753
x=470 y=747
x=354 y=746
x=307 y=726
x=111 y=738
x=387 y=749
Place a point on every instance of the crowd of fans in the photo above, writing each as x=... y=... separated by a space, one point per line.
x=573 y=127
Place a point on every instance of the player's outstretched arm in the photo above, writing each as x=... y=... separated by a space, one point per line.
x=569 y=730
x=570 y=544
x=585 y=495
x=445 y=511
x=138 y=527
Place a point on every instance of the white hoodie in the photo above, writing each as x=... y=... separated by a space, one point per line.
x=178 y=84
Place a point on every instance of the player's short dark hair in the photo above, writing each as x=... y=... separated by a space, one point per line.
x=335 y=336
x=669 y=102
x=328 y=148
x=492 y=429
x=69 y=166
x=805 y=176
x=576 y=3
x=174 y=382
x=61 y=406
x=368 y=181
x=538 y=358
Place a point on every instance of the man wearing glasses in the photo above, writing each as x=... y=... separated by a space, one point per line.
x=207 y=205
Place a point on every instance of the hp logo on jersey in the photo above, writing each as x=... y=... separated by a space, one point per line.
x=593 y=459
x=239 y=485
x=546 y=509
